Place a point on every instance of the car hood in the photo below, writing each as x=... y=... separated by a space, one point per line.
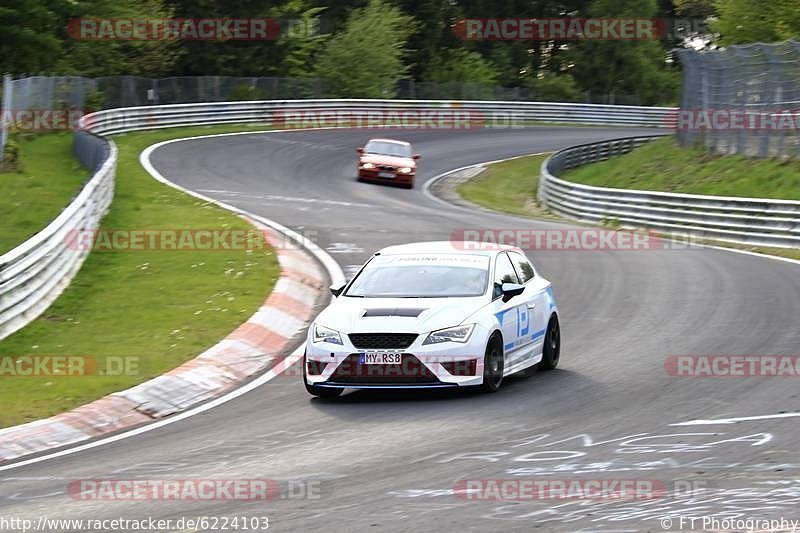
x=388 y=160
x=397 y=315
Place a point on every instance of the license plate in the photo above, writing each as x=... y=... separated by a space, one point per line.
x=385 y=174
x=381 y=359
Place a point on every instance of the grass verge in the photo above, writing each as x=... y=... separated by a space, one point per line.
x=662 y=165
x=33 y=196
x=159 y=308
x=509 y=186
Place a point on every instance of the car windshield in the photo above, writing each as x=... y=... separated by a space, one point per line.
x=388 y=148
x=422 y=276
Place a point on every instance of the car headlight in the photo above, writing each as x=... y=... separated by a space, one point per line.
x=323 y=334
x=455 y=334
x=368 y=165
x=405 y=170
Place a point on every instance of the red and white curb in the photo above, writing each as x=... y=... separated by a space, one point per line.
x=253 y=347
x=259 y=345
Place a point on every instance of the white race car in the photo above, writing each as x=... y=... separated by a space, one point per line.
x=438 y=314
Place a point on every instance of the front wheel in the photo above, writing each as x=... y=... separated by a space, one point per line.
x=551 y=352
x=493 y=365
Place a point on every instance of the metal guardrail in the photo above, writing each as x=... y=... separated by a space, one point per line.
x=35 y=273
x=485 y=113
x=752 y=221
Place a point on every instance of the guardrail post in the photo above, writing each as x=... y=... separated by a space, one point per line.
x=6 y=114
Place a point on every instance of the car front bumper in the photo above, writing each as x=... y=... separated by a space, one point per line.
x=372 y=175
x=448 y=364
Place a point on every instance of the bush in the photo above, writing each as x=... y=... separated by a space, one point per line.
x=555 y=88
x=244 y=92
x=12 y=160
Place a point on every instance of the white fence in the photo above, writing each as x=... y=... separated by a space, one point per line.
x=753 y=221
x=33 y=274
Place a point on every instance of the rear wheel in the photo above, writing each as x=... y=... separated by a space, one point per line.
x=320 y=392
x=493 y=365
x=551 y=352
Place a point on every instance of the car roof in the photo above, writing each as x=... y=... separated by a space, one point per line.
x=448 y=247
x=390 y=141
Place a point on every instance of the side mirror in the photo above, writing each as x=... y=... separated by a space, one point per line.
x=336 y=290
x=416 y=156
x=360 y=150
x=512 y=289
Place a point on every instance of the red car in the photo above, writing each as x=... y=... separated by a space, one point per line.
x=387 y=161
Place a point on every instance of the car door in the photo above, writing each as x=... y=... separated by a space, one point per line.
x=535 y=297
x=512 y=316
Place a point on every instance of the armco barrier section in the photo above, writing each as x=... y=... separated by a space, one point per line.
x=33 y=274
x=753 y=221
x=490 y=114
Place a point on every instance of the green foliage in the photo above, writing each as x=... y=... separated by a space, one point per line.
x=461 y=65
x=28 y=40
x=555 y=88
x=241 y=93
x=748 y=21
x=149 y=58
x=625 y=68
x=167 y=307
x=12 y=158
x=42 y=177
x=364 y=60
x=94 y=100
x=361 y=48
x=663 y=165
x=508 y=186
x=300 y=48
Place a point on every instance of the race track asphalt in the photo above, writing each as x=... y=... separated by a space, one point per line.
x=388 y=460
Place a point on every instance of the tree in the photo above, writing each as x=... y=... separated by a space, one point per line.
x=461 y=66
x=554 y=88
x=149 y=58
x=619 y=71
x=365 y=59
x=748 y=21
x=300 y=49
x=28 y=40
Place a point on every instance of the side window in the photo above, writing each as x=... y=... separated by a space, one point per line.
x=523 y=266
x=503 y=273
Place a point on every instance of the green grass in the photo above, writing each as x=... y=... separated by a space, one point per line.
x=162 y=307
x=509 y=186
x=662 y=165
x=33 y=196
